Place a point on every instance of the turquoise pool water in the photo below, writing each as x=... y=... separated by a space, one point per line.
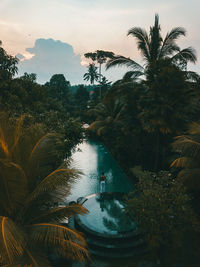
x=92 y=158
x=107 y=215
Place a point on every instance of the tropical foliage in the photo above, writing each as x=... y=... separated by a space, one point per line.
x=32 y=184
x=50 y=104
x=158 y=107
x=162 y=210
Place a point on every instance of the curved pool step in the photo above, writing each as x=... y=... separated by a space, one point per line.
x=114 y=255
x=113 y=239
x=123 y=248
x=110 y=245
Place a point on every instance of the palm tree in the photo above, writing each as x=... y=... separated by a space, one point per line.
x=109 y=116
x=154 y=48
x=100 y=56
x=31 y=223
x=188 y=147
x=161 y=57
x=92 y=74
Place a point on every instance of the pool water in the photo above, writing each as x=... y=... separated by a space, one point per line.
x=92 y=158
x=107 y=215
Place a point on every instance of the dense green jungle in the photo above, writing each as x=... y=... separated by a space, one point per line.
x=149 y=120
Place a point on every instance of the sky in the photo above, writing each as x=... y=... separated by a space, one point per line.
x=51 y=36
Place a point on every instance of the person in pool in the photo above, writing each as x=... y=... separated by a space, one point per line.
x=102 y=183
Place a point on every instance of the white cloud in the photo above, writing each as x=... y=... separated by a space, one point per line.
x=49 y=57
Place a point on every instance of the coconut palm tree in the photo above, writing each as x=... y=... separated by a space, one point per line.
x=31 y=221
x=92 y=74
x=154 y=48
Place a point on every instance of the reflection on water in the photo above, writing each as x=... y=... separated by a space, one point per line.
x=107 y=216
x=92 y=158
x=117 y=219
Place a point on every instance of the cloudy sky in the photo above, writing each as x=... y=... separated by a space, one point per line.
x=51 y=36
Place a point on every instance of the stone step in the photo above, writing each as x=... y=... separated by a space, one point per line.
x=116 y=250
x=125 y=254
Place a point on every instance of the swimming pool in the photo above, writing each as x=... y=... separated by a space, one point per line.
x=92 y=158
x=106 y=215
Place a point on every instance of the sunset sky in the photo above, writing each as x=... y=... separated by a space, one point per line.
x=51 y=36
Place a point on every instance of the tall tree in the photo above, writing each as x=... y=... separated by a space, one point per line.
x=154 y=48
x=166 y=89
x=100 y=56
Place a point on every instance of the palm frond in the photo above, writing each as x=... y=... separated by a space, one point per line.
x=182 y=162
x=59 y=214
x=194 y=128
x=61 y=238
x=3 y=144
x=86 y=77
x=44 y=158
x=100 y=110
x=12 y=240
x=39 y=143
x=75 y=251
x=56 y=179
x=192 y=76
x=188 y=146
x=187 y=55
x=142 y=40
x=132 y=75
x=123 y=61
x=173 y=35
x=168 y=50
